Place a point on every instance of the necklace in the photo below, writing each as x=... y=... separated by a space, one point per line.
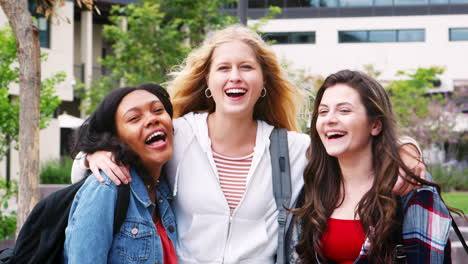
x=150 y=186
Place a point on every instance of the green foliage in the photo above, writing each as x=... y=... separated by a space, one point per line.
x=408 y=94
x=7 y=219
x=9 y=105
x=273 y=11
x=450 y=178
x=426 y=116
x=56 y=171
x=159 y=35
x=457 y=199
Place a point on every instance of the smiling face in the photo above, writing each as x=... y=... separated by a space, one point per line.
x=343 y=124
x=144 y=125
x=235 y=78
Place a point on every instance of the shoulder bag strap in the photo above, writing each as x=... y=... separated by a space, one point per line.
x=281 y=183
x=459 y=234
x=121 y=206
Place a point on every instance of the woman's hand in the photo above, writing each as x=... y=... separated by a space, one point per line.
x=104 y=160
x=410 y=155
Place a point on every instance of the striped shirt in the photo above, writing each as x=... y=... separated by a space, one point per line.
x=232 y=174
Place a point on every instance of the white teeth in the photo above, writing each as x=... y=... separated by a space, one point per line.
x=234 y=90
x=330 y=134
x=155 y=134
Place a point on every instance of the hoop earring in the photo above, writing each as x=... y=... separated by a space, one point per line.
x=264 y=92
x=208 y=93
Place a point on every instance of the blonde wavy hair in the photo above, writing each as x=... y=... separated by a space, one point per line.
x=187 y=87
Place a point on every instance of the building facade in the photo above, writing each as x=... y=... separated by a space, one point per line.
x=73 y=45
x=324 y=36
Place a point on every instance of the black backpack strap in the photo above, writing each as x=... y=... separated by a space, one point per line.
x=121 y=206
x=399 y=252
x=459 y=234
x=281 y=184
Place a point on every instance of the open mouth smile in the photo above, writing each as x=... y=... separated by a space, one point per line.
x=157 y=140
x=235 y=92
x=335 y=135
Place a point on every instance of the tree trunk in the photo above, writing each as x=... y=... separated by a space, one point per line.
x=28 y=52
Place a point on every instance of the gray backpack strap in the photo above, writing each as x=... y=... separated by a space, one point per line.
x=281 y=184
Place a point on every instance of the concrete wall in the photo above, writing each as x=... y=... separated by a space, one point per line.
x=327 y=55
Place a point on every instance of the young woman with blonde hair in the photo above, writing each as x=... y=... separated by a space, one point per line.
x=228 y=96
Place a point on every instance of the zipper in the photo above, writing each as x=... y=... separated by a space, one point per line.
x=228 y=235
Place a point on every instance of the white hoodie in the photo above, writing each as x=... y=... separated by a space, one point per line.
x=208 y=233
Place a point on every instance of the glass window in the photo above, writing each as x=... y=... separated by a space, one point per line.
x=42 y=24
x=439 y=2
x=383 y=2
x=257 y=3
x=382 y=36
x=458 y=34
x=277 y=38
x=303 y=37
x=328 y=3
x=275 y=3
x=350 y=3
x=459 y=1
x=301 y=3
x=410 y=2
x=411 y=35
x=352 y=36
x=290 y=37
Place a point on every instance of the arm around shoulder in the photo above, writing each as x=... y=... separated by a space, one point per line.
x=79 y=167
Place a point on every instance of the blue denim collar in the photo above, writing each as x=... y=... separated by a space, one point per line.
x=139 y=189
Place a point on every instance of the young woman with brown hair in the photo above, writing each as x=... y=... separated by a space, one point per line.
x=348 y=212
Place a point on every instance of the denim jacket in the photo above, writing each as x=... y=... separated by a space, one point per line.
x=89 y=234
x=426 y=227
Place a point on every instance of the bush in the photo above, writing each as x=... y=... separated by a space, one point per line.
x=450 y=177
x=56 y=171
x=7 y=219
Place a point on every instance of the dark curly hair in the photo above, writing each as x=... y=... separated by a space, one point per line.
x=99 y=131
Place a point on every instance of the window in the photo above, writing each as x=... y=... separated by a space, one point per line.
x=352 y=36
x=257 y=4
x=382 y=36
x=42 y=24
x=411 y=35
x=290 y=37
x=352 y=3
x=396 y=35
x=302 y=3
x=383 y=2
x=411 y=2
x=439 y=2
x=458 y=34
x=275 y=3
x=328 y=3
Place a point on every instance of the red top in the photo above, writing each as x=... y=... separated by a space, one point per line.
x=343 y=240
x=169 y=253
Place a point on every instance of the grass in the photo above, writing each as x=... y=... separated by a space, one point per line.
x=56 y=171
x=457 y=199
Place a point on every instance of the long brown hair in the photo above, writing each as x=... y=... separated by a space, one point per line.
x=187 y=87
x=323 y=179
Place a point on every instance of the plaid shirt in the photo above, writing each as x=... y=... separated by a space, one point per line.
x=426 y=226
